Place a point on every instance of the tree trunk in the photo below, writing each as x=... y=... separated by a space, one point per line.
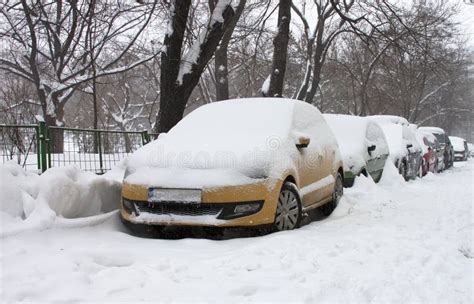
x=280 y=44
x=175 y=92
x=56 y=136
x=221 y=67
x=170 y=111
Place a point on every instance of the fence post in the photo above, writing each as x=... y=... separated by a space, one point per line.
x=145 y=137
x=99 y=149
x=43 y=145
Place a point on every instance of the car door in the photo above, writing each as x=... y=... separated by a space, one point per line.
x=377 y=157
x=315 y=170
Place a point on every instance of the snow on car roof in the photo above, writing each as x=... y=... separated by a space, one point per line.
x=390 y=119
x=240 y=135
x=434 y=130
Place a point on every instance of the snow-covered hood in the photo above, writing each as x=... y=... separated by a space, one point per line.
x=187 y=178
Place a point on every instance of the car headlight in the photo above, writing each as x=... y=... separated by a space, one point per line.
x=128 y=206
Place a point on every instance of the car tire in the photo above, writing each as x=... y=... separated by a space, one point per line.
x=288 y=213
x=337 y=193
x=402 y=169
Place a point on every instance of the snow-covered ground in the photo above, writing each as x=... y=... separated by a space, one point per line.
x=391 y=242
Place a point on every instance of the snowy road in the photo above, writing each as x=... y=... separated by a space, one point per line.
x=391 y=242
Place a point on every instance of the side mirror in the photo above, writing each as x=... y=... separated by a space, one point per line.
x=371 y=148
x=302 y=142
x=409 y=146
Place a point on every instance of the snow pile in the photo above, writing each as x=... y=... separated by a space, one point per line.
x=391 y=177
x=29 y=201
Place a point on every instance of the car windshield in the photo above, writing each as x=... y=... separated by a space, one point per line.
x=440 y=138
x=235 y=125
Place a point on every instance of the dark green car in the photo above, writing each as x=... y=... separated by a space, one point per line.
x=362 y=144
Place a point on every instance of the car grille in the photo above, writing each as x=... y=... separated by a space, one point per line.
x=177 y=209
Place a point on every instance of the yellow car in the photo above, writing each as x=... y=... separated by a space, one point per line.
x=235 y=163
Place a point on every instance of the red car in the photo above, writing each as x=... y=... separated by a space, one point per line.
x=430 y=147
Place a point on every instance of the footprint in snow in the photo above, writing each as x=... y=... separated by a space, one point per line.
x=245 y=291
x=112 y=261
x=467 y=252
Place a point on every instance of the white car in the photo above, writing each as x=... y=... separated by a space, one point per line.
x=461 y=150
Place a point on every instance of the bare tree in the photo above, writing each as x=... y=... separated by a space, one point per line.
x=273 y=86
x=53 y=45
x=181 y=73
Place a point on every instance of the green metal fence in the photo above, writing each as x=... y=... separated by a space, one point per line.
x=38 y=147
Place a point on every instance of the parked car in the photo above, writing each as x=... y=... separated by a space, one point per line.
x=445 y=144
x=404 y=149
x=461 y=150
x=362 y=144
x=430 y=147
x=234 y=163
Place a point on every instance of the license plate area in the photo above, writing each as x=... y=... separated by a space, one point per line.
x=182 y=196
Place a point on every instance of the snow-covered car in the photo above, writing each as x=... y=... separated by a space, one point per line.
x=404 y=149
x=430 y=147
x=362 y=144
x=445 y=144
x=234 y=163
x=460 y=148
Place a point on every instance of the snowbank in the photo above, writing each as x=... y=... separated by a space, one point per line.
x=29 y=201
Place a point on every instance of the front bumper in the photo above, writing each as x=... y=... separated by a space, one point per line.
x=217 y=208
x=459 y=156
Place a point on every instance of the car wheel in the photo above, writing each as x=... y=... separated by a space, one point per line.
x=288 y=214
x=337 y=193
x=403 y=170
